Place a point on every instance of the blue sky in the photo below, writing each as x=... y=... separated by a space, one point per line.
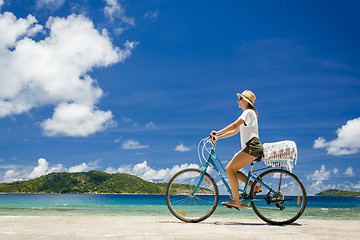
x=133 y=86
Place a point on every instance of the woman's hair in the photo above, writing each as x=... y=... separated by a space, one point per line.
x=253 y=108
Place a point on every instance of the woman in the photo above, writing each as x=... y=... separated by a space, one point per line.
x=251 y=146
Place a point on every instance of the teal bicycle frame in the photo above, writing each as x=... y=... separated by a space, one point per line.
x=210 y=161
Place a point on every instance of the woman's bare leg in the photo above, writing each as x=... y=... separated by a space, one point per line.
x=242 y=177
x=239 y=161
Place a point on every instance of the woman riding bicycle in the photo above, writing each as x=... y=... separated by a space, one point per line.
x=251 y=147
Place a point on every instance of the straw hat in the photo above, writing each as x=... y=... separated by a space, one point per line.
x=247 y=96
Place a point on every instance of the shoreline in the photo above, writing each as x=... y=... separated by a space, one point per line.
x=155 y=194
x=112 y=205
x=168 y=227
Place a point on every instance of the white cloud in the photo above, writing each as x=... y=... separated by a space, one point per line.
x=12 y=29
x=114 y=10
x=76 y=120
x=43 y=168
x=1 y=3
x=54 y=71
x=12 y=175
x=144 y=171
x=152 y=15
x=19 y=173
x=349 y=172
x=132 y=144
x=125 y=119
x=151 y=125
x=40 y=170
x=182 y=148
x=50 y=4
x=322 y=180
x=347 y=141
x=320 y=175
x=85 y=167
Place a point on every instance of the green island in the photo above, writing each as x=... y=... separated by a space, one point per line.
x=338 y=193
x=90 y=182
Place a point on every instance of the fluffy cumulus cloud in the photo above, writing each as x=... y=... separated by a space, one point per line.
x=54 y=71
x=19 y=173
x=144 y=171
x=182 y=148
x=76 y=120
x=347 y=141
x=349 y=172
x=85 y=167
x=320 y=175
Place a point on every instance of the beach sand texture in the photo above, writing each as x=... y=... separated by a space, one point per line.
x=160 y=227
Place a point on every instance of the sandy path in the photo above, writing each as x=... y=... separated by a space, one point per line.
x=160 y=227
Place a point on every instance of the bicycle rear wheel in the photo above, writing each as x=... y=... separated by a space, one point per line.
x=187 y=205
x=285 y=208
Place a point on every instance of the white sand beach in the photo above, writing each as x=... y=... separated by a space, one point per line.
x=168 y=227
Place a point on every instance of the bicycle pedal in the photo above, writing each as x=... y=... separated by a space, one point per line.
x=246 y=196
x=245 y=205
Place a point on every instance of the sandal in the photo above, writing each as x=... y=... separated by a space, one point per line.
x=229 y=205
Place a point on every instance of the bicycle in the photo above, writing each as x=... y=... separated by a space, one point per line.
x=277 y=196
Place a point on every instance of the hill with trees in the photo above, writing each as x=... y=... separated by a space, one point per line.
x=338 y=193
x=87 y=182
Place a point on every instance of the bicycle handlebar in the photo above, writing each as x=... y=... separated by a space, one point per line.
x=212 y=140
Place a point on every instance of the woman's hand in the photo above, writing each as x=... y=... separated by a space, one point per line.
x=213 y=135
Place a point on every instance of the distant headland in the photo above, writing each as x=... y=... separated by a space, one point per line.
x=338 y=193
x=96 y=182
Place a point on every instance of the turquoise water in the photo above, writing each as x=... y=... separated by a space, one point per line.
x=342 y=208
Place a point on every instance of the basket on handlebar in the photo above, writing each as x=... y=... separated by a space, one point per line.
x=280 y=154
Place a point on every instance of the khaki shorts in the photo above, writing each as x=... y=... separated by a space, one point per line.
x=254 y=147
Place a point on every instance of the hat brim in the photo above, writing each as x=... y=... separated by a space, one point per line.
x=245 y=98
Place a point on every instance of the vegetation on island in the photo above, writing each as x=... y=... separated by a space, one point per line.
x=88 y=182
x=338 y=193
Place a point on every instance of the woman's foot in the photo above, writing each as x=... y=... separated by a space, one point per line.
x=235 y=204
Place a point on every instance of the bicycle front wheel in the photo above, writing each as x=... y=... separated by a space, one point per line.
x=188 y=204
x=284 y=207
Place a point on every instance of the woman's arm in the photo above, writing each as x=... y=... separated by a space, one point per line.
x=228 y=134
x=229 y=130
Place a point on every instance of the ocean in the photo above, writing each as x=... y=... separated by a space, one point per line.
x=336 y=208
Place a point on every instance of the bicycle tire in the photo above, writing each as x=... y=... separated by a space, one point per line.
x=282 y=210
x=191 y=208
